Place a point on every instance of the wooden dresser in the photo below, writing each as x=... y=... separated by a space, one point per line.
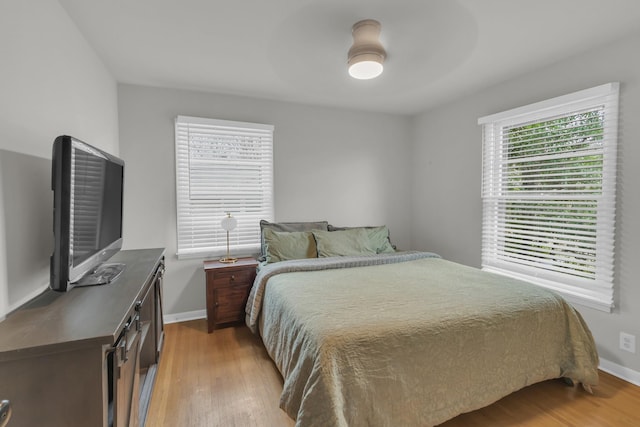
x=86 y=357
x=228 y=287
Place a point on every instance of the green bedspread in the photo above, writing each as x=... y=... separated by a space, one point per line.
x=412 y=343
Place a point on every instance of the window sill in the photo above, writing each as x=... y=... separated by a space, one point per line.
x=213 y=254
x=572 y=297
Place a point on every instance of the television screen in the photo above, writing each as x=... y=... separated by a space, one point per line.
x=88 y=189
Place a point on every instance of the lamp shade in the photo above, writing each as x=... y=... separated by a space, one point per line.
x=366 y=55
x=228 y=223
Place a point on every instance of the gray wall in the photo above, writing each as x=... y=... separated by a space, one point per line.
x=51 y=83
x=346 y=167
x=446 y=204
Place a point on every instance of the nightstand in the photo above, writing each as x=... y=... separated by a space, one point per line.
x=228 y=287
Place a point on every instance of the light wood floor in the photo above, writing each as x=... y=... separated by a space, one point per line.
x=227 y=379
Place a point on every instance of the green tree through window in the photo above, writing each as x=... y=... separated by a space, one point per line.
x=548 y=193
x=553 y=158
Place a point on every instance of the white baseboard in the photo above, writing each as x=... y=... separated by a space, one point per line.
x=184 y=317
x=620 y=371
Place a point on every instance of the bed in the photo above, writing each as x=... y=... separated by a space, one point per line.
x=408 y=338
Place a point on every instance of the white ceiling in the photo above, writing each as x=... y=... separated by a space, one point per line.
x=295 y=50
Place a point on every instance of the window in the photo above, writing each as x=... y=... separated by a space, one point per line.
x=222 y=166
x=548 y=194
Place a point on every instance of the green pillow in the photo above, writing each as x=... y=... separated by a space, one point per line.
x=285 y=245
x=355 y=241
x=379 y=237
x=287 y=226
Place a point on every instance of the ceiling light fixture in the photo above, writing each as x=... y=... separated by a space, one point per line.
x=366 y=54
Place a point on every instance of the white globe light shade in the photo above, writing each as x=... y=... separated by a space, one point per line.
x=228 y=223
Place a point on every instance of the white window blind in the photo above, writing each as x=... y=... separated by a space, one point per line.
x=548 y=193
x=222 y=166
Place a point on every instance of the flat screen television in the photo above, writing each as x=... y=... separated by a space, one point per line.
x=87 y=186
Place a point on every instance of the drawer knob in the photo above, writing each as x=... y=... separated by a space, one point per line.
x=233 y=277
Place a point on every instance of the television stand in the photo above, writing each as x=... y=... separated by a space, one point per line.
x=104 y=274
x=87 y=357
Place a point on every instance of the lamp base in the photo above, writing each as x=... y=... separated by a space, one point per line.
x=228 y=260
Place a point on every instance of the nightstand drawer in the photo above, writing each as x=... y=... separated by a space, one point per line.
x=231 y=278
x=230 y=303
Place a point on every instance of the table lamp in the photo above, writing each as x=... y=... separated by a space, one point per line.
x=228 y=223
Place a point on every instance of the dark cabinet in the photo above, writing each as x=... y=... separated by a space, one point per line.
x=126 y=378
x=227 y=290
x=151 y=328
x=87 y=357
